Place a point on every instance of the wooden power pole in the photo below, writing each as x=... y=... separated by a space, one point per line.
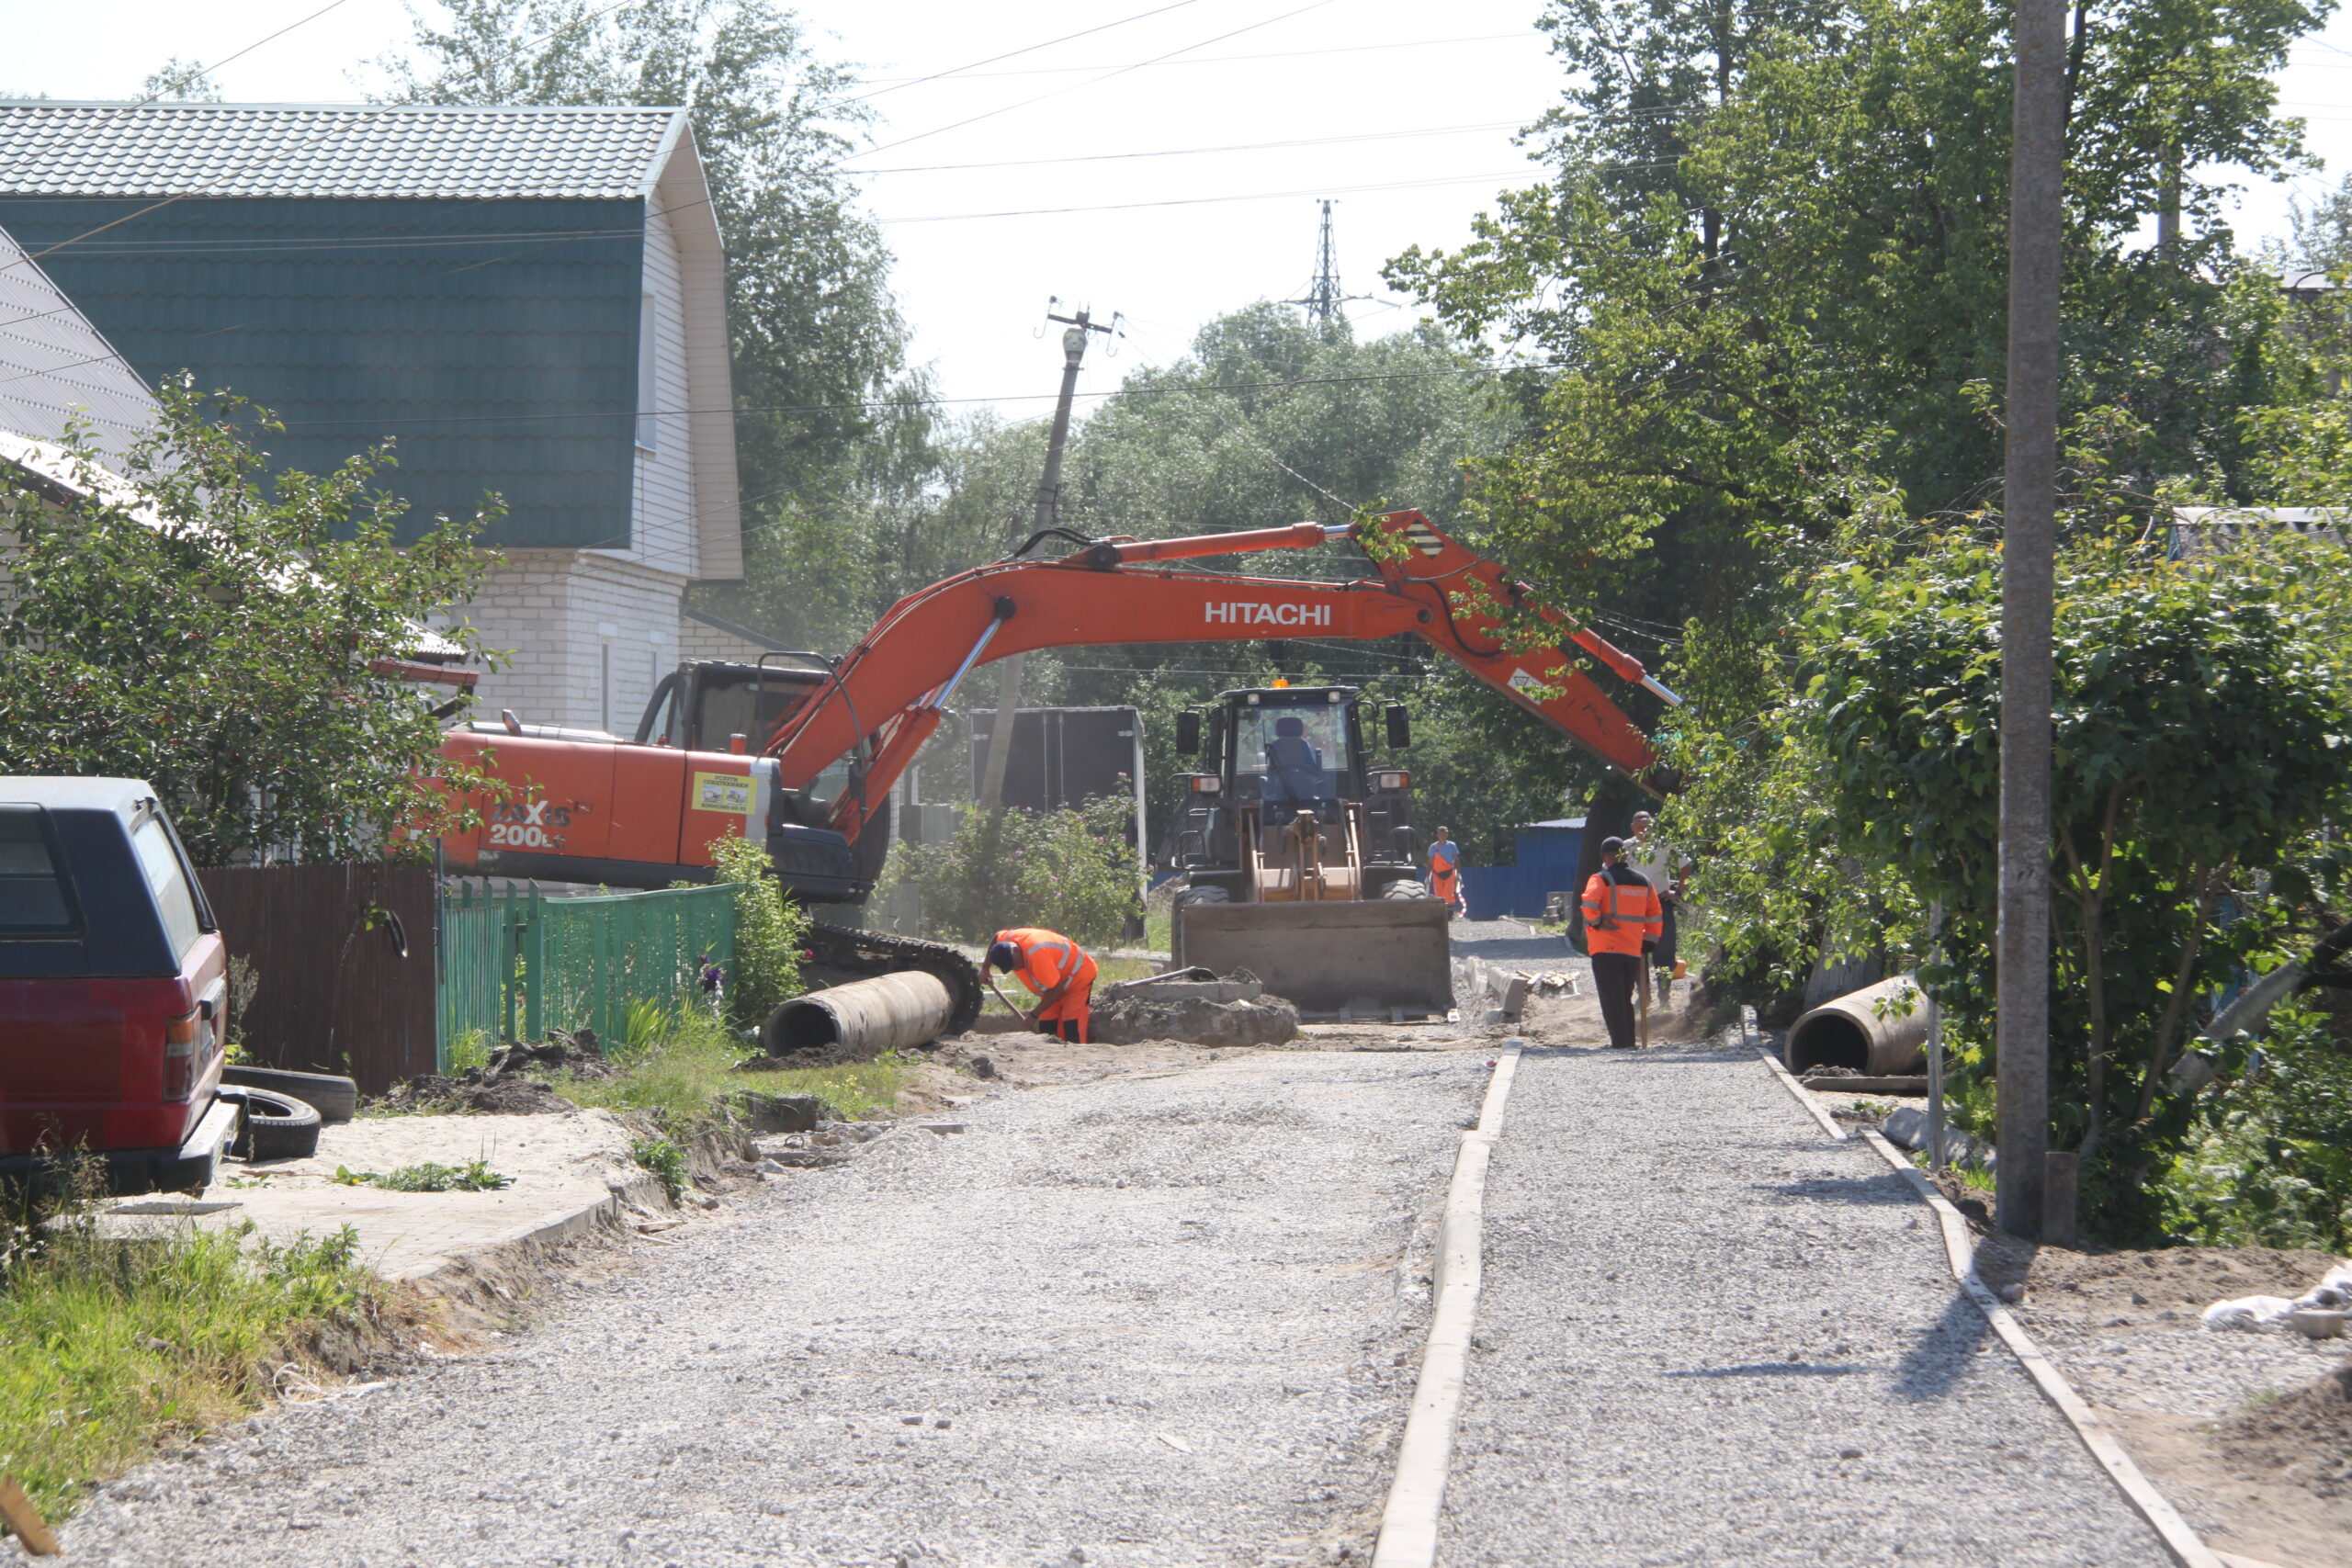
x=2029 y=535
x=991 y=794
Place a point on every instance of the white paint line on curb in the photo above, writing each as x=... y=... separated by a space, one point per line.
x=1417 y=1496
x=1960 y=1254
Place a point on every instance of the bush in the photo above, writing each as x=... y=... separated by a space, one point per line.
x=2270 y=1165
x=1068 y=871
x=769 y=931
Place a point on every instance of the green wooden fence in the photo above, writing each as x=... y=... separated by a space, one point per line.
x=515 y=964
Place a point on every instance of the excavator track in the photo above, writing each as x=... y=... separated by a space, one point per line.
x=838 y=955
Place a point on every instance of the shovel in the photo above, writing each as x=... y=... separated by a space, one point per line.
x=1020 y=1013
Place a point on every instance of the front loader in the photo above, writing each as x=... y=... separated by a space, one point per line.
x=1299 y=859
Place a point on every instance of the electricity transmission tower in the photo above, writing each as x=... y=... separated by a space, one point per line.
x=1323 y=297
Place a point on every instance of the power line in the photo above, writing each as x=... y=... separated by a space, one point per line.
x=1092 y=81
x=1190 y=151
x=1211 y=60
x=878 y=404
x=1211 y=200
x=1010 y=54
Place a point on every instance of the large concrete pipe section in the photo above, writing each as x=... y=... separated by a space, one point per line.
x=1880 y=1031
x=863 y=1019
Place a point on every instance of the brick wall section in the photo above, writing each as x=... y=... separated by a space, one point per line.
x=590 y=633
x=696 y=640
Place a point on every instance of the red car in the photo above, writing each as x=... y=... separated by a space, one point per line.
x=113 y=986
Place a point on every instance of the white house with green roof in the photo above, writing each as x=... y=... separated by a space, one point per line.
x=529 y=302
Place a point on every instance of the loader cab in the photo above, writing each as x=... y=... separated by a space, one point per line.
x=1269 y=755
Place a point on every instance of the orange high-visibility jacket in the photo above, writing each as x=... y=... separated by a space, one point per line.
x=1633 y=911
x=1046 y=957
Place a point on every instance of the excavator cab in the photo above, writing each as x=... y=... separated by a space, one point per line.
x=1298 y=856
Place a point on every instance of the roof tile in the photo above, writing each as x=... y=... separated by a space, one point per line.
x=276 y=150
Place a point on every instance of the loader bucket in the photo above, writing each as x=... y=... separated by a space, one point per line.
x=1372 y=958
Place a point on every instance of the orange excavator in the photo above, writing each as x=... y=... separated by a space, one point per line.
x=805 y=755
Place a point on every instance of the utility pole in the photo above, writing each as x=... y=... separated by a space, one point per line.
x=2029 y=542
x=1075 y=333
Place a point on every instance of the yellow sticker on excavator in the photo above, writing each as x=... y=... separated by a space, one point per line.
x=723 y=792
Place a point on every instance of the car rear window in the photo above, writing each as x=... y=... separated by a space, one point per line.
x=160 y=859
x=36 y=899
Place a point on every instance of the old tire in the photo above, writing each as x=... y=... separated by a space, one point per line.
x=1192 y=896
x=336 y=1099
x=1405 y=887
x=273 y=1126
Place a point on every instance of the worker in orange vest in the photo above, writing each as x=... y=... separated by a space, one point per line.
x=1621 y=912
x=1445 y=873
x=1055 y=968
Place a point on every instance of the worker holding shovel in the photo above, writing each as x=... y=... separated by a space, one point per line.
x=1053 y=967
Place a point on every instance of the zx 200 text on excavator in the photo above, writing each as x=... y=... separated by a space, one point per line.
x=804 y=756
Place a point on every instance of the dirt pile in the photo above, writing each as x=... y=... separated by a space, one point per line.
x=2168 y=1284
x=505 y=1086
x=2306 y=1436
x=1196 y=1008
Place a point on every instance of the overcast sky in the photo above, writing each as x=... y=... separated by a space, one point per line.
x=1241 y=115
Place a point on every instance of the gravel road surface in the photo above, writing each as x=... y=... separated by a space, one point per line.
x=1145 y=1320
x=1708 y=1335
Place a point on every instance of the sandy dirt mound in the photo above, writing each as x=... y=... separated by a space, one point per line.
x=2139 y=1286
x=2306 y=1436
x=1130 y=1020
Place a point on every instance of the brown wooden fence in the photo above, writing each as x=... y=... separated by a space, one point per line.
x=332 y=992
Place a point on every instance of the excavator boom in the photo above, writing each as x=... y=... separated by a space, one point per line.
x=891 y=687
x=594 y=809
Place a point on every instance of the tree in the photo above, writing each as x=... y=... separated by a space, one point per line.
x=2202 y=724
x=1764 y=283
x=218 y=632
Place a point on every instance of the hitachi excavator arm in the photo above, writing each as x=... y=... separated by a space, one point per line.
x=886 y=696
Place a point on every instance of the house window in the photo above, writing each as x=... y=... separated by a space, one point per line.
x=649 y=321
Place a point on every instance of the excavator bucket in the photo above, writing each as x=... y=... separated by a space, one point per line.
x=1372 y=958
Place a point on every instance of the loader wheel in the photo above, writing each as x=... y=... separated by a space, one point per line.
x=1404 y=888
x=1192 y=896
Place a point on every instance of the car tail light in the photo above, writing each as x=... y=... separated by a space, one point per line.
x=181 y=1038
x=1395 y=780
x=1207 y=783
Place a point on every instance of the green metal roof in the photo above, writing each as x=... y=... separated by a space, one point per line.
x=295 y=149
x=465 y=281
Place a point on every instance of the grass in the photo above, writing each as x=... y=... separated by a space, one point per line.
x=680 y=1067
x=474 y=1175
x=109 y=1350
x=1159 y=930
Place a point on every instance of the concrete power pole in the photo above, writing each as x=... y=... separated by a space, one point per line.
x=991 y=793
x=2028 y=534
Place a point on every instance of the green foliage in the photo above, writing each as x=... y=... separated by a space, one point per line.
x=108 y=1351
x=2269 y=1162
x=474 y=1175
x=666 y=1160
x=682 y=1076
x=1067 y=871
x=769 y=929
x=2203 y=721
x=1766 y=283
x=469 y=1051
x=210 y=630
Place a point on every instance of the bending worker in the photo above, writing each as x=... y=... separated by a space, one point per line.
x=1055 y=968
x=1621 y=912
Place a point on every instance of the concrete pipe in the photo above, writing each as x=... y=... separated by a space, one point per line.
x=863 y=1019
x=1852 y=1031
